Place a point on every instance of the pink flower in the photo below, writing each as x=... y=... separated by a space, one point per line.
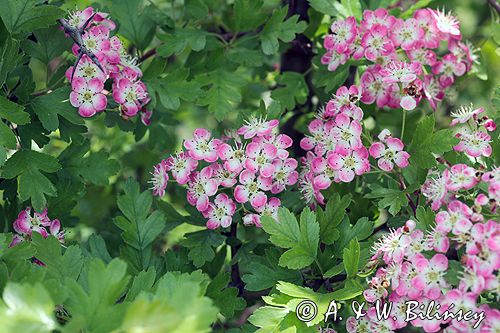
x=269 y=209
x=343 y=34
x=474 y=144
x=284 y=174
x=202 y=146
x=146 y=116
x=347 y=132
x=334 y=59
x=181 y=166
x=26 y=224
x=160 y=178
x=464 y=113
x=449 y=67
x=201 y=186
x=432 y=90
x=87 y=96
x=392 y=246
x=460 y=176
x=223 y=176
x=349 y=163
x=426 y=22
x=251 y=189
x=220 y=212
x=260 y=157
x=406 y=33
x=401 y=72
x=434 y=189
x=393 y=154
x=430 y=278
x=323 y=173
x=446 y=23
x=130 y=95
x=376 y=43
x=456 y=300
x=379 y=16
x=318 y=130
x=233 y=157
x=87 y=70
x=282 y=142
x=373 y=87
x=257 y=127
x=455 y=219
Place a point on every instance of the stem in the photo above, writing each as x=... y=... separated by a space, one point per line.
x=319 y=266
x=235 y=270
x=403 y=125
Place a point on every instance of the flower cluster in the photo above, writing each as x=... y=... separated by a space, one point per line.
x=335 y=151
x=27 y=223
x=406 y=66
x=244 y=167
x=472 y=130
x=415 y=262
x=111 y=61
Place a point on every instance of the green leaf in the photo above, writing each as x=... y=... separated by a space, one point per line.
x=182 y=38
x=425 y=218
x=177 y=306
x=92 y=300
x=27 y=308
x=136 y=21
x=334 y=213
x=201 y=245
x=264 y=272
x=248 y=14
x=27 y=15
x=95 y=168
x=335 y=270
x=362 y=229
x=417 y=5
x=351 y=258
x=174 y=87
x=49 y=107
x=50 y=43
x=352 y=8
x=27 y=166
x=223 y=91
x=3 y=156
x=14 y=113
x=277 y=29
x=195 y=8
x=302 y=241
x=425 y=142
x=292 y=89
x=139 y=229
x=97 y=248
x=144 y=281
x=395 y=199
x=10 y=57
x=224 y=297
x=324 y=6
x=322 y=77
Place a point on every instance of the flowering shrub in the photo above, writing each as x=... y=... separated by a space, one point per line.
x=249 y=166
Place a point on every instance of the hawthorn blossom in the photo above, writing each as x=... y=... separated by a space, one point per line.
x=27 y=223
x=343 y=34
x=181 y=166
x=390 y=155
x=349 y=162
x=160 y=178
x=201 y=186
x=284 y=174
x=474 y=144
x=220 y=212
x=257 y=127
x=130 y=95
x=446 y=23
x=87 y=96
x=406 y=33
x=460 y=176
x=251 y=188
x=202 y=146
